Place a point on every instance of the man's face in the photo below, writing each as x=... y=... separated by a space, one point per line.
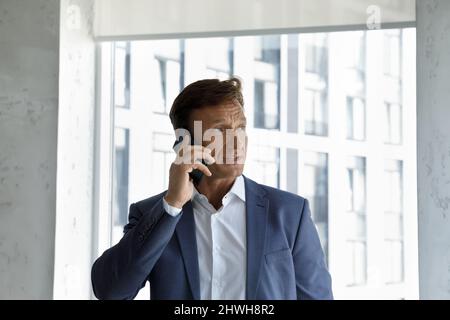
x=227 y=123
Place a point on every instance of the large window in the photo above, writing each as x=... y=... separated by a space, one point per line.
x=326 y=120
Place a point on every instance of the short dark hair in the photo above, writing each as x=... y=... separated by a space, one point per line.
x=202 y=93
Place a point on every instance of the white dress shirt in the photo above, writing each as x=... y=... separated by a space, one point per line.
x=221 y=243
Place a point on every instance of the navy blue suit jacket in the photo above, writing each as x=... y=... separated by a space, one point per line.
x=284 y=256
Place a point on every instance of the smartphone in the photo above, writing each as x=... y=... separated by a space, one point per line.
x=196 y=174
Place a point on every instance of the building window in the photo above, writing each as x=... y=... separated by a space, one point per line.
x=356 y=221
x=314 y=81
x=266 y=164
x=356 y=118
x=267 y=82
x=393 y=221
x=266 y=105
x=121 y=172
x=267 y=49
x=393 y=123
x=122 y=65
x=355 y=50
x=392 y=87
x=354 y=83
x=314 y=182
x=392 y=52
x=219 y=60
x=162 y=158
x=315 y=111
x=316 y=53
x=168 y=73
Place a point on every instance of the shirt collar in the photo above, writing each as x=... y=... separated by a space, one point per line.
x=237 y=189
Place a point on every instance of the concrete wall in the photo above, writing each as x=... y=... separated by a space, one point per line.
x=433 y=135
x=73 y=244
x=45 y=220
x=29 y=50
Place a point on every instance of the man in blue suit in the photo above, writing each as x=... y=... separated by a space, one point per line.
x=215 y=234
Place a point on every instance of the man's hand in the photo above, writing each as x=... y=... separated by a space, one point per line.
x=180 y=183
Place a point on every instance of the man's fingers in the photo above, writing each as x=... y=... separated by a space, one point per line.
x=208 y=158
x=202 y=168
x=196 y=154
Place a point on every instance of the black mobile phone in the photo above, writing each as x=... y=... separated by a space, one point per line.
x=196 y=174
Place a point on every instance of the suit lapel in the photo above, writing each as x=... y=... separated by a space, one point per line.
x=256 y=214
x=185 y=231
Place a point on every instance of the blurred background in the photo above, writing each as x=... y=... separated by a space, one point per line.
x=332 y=110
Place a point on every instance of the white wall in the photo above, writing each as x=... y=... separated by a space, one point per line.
x=433 y=72
x=74 y=214
x=29 y=48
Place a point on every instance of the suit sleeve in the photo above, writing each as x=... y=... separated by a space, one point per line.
x=121 y=271
x=313 y=280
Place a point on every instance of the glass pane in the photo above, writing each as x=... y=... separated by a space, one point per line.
x=266 y=165
x=314 y=105
x=393 y=186
x=393 y=226
x=259 y=104
x=122 y=74
x=158 y=165
x=292 y=168
x=219 y=55
x=167 y=68
x=354 y=48
x=172 y=82
x=356 y=256
x=266 y=105
x=356 y=226
x=393 y=221
x=316 y=53
x=120 y=181
x=266 y=82
x=394 y=264
x=392 y=53
x=396 y=123
x=168 y=84
x=356 y=223
x=267 y=49
x=314 y=187
x=356 y=119
x=161 y=90
x=393 y=123
x=307 y=102
x=356 y=184
x=162 y=157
